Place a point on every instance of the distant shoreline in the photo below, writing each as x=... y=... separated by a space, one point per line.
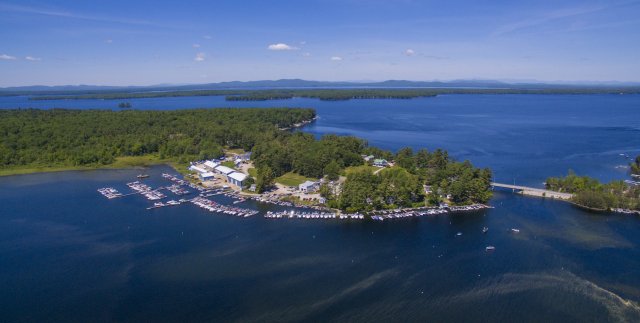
x=336 y=94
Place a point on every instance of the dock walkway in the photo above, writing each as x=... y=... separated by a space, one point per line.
x=531 y=191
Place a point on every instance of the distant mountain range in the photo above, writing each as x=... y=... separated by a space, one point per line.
x=299 y=83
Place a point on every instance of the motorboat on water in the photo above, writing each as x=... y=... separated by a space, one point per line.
x=490 y=248
x=142 y=176
x=485 y=230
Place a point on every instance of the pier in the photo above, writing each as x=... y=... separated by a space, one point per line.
x=531 y=191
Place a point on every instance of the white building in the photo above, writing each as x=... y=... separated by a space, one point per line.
x=237 y=178
x=308 y=186
x=224 y=170
x=206 y=176
x=380 y=163
x=195 y=168
x=211 y=164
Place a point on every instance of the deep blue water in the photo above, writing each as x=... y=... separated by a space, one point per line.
x=68 y=254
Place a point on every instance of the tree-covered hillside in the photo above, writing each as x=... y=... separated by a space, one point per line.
x=90 y=137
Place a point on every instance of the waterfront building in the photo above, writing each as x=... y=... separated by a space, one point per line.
x=308 y=186
x=198 y=169
x=224 y=170
x=237 y=178
x=211 y=164
x=206 y=176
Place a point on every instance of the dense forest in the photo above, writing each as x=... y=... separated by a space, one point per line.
x=399 y=186
x=96 y=137
x=404 y=184
x=332 y=94
x=591 y=193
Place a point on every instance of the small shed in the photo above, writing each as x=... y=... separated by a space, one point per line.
x=206 y=176
x=380 y=162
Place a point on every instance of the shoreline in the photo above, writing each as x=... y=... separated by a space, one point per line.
x=132 y=162
x=299 y=124
x=148 y=161
x=580 y=206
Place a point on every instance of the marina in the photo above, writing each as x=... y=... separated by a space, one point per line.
x=180 y=187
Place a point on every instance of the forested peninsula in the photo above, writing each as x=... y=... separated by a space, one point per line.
x=38 y=140
x=330 y=94
x=591 y=193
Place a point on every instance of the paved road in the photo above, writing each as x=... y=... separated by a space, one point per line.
x=532 y=191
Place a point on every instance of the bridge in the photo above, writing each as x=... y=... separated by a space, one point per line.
x=531 y=191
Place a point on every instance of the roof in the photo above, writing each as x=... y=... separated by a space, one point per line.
x=198 y=169
x=224 y=170
x=307 y=184
x=211 y=164
x=379 y=161
x=207 y=174
x=238 y=176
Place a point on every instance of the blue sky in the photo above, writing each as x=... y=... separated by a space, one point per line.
x=154 y=42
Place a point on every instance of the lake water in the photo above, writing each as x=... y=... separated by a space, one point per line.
x=68 y=254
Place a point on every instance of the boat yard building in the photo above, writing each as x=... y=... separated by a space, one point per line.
x=237 y=178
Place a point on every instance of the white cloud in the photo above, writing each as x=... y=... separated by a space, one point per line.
x=409 y=52
x=196 y=45
x=207 y=37
x=33 y=59
x=109 y=41
x=307 y=54
x=7 y=57
x=336 y=58
x=200 y=57
x=281 y=46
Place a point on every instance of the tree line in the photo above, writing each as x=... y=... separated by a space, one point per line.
x=60 y=137
x=330 y=94
x=400 y=186
x=592 y=193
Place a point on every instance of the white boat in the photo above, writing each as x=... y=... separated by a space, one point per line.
x=515 y=230
x=458 y=234
x=490 y=248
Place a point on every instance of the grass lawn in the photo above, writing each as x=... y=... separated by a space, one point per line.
x=352 y=169
x=293 y=179
x=253 y=172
